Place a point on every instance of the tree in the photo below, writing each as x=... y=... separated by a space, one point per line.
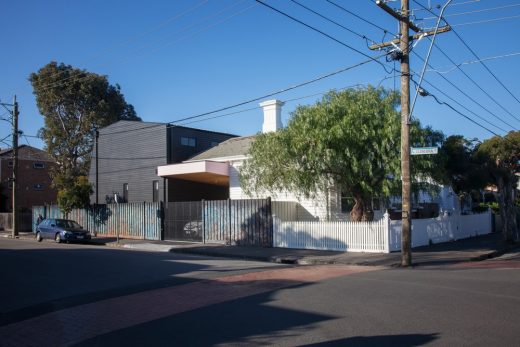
x=73 y=194
x=74 y=103
x=501 y=156
x=349 y=139
x=462 y=168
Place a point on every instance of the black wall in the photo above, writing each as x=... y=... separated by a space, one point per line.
x=203 y=140
x=129 y=152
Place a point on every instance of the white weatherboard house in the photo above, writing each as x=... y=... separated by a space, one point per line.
x=220 y=166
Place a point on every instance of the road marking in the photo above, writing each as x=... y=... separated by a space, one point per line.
x=73 y=325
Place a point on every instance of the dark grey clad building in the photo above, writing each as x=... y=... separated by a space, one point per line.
x=125 y=160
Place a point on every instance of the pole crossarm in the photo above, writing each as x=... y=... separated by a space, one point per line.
x=398 y=16
x=417 y=36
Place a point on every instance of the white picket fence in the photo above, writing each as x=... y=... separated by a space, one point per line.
x=334 y=236
x=381 y=236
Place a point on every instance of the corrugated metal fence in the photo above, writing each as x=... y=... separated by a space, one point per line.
x=132 y=220
x=245 y=222
x=24 y=221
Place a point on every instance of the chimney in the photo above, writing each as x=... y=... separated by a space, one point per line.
x=272 y=115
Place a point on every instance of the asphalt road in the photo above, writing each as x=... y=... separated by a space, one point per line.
x=58 y=295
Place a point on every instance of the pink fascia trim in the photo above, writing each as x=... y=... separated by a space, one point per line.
x=205 y=166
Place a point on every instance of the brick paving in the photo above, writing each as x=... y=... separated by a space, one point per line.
x=73 y=325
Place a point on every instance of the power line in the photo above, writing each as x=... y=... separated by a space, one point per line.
x=166 y=44
x=475 y=55
x=359 y=17
x=461 y=105
x=451 y=5
x=468 y=96
x=321 y=32
x=124 y=170
x=144 y=34
x=486 y=21
x=475 y=11
x=334 y=22
x=486 y=67
x=259 y=107
x=260 y=97
x=463 y=115
x=477 y=84
x=129 y=158
x=471 y=120
x=456 y=87
x=474 y=61
x=64 y=81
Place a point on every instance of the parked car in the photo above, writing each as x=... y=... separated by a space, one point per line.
x=61 y=230
x=193 y=229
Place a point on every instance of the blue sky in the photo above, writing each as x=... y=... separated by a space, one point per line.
x=175 y=59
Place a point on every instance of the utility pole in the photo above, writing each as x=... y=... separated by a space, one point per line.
x=97 y=167
x=15 y=167
x=406 y=231
x=405 y=25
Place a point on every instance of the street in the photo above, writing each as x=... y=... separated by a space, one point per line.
x=85 y=295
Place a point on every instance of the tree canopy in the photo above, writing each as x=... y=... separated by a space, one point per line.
x=349 y=139
x=463 y=168
x=501 y=156
x=74 y=103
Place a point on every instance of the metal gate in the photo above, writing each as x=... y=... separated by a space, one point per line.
x=183 y=221
x=234 y=222
x=245 y=222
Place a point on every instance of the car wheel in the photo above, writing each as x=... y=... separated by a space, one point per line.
x=39 y=237
x=57 y=238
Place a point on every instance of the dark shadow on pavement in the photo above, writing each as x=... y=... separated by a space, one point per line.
x=250 y=320
x=408 y=340
x=44 y=280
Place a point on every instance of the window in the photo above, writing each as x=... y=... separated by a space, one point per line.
x=188 y=141
x=155 y=197
x=39 y=165
x=125 y=192
x=38 y=186
x=10 y=185
x=214 y=144
x=10 y=163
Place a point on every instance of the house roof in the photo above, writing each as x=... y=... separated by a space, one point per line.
x=27 y=153
x=237 y=146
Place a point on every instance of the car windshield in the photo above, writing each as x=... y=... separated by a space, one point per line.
x=67 y=224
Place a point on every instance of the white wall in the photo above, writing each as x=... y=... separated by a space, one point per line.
x=446 y=227
x=381 y=236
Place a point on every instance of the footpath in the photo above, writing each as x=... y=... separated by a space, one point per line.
x=471 y=249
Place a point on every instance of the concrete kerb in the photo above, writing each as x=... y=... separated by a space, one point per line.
x=265 y=255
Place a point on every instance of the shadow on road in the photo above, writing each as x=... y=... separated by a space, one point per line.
x=407 y=340
x=247 y=320
x=43 y=278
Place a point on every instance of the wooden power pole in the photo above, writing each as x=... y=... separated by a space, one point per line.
x=404 y=40
x=406 y=231
x=15 y=168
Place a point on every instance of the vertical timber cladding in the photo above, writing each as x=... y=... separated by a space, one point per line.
x=245 y=222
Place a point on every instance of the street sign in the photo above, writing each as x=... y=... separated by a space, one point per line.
x=424 y=150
